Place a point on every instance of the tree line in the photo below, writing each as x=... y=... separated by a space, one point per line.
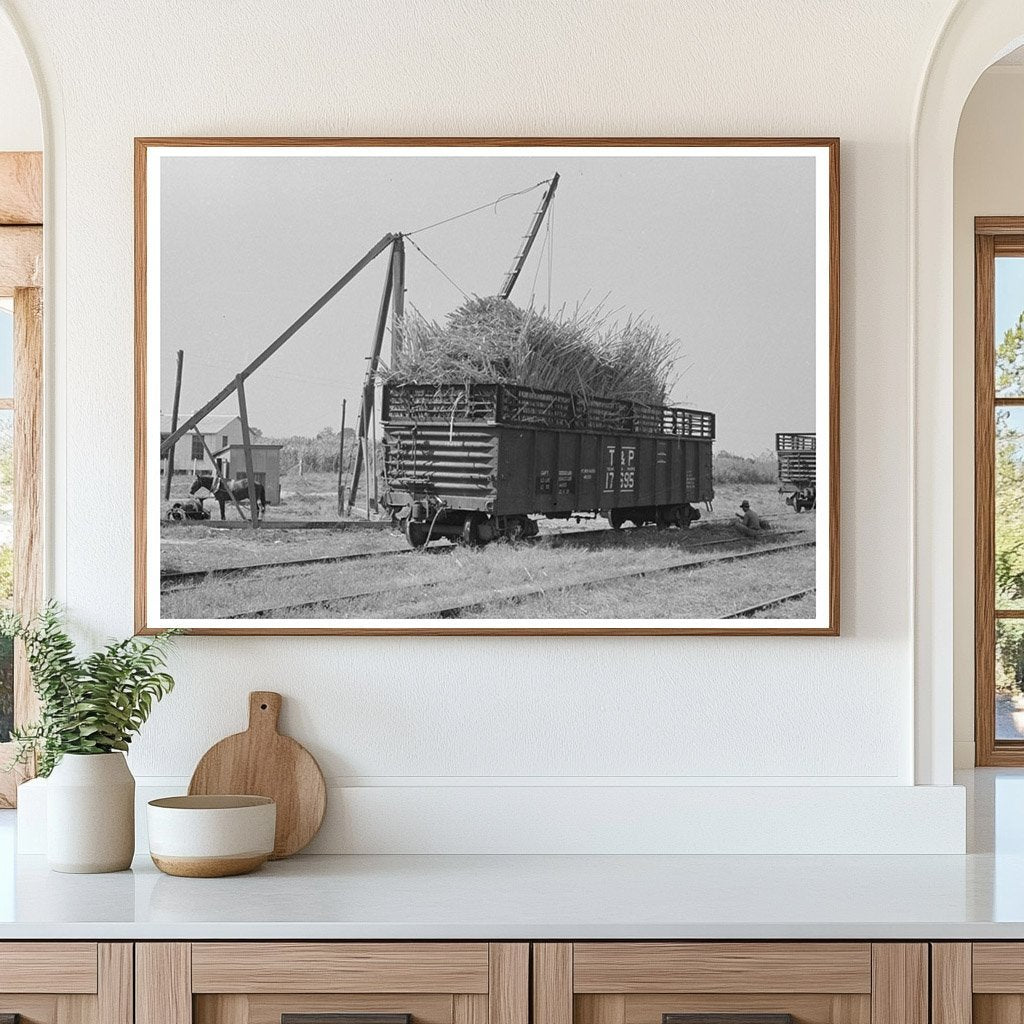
x=319 y=454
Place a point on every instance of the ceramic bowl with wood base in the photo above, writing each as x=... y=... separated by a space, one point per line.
x=211 y=836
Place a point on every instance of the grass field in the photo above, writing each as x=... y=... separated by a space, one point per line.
x=399 y=583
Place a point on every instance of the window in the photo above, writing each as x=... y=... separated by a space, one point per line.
x=999 y=491
x=6 y=515
x=198 y=451
x=20 y=503
x=21 y=375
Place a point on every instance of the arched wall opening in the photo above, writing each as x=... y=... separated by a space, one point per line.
x=989 y=154
x=976 y=35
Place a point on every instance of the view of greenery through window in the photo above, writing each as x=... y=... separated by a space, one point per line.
x=1009 y=496
x=6 y=521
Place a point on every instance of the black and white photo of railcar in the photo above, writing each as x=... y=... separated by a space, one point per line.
x=537 y=387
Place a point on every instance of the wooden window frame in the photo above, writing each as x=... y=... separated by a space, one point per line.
x=993 y=237
x=21 y=278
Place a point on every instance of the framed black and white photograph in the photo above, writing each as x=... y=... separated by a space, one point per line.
x=497 y=386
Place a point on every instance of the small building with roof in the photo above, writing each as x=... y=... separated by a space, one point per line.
x=266 y=466
x=218 y=429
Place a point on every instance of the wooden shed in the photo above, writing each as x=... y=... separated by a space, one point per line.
x=266 y=466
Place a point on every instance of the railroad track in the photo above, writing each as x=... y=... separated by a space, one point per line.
x=171 y=582
x=744 y=613
x=453 y=609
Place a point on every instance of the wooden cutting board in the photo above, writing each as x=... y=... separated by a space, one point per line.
x=262 y=762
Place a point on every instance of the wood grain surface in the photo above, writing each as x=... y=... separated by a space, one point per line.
x=951 y=983
x=21 y=258
x=262 y=762
x=899 y=989
x=163 y=983
x=805 y=1008
x=21 y=188
x=758 y=967
x=552 y=983
x=64 y=967
x=508 y=992
x=305 y=967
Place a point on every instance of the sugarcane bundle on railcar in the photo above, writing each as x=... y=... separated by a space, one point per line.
x=502 y=415
x=797 y=460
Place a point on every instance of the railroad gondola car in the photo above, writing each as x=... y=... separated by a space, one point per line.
x=480 y=461
x=797 y=458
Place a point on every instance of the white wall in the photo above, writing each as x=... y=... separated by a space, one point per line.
x=428 y=717
x=987 y=181
x=21 y=127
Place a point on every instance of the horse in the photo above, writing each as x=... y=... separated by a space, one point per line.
x=224 y=490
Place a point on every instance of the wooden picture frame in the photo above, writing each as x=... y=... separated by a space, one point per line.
x=152 y=153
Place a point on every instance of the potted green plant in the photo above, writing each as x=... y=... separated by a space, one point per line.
x=90 y=708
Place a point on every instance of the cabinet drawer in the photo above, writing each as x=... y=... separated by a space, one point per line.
x=730 y=983
x=333 y=983
x=66 y=982
x=66 y=967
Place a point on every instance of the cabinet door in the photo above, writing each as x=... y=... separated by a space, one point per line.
x=65 y=983
x=979 y=982
x=332 y=983
x=730 y=983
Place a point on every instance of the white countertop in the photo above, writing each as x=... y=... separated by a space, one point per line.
x=978 y=896
x=497 y=897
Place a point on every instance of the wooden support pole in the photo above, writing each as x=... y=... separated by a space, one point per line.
x=174 y=423
x=369 y=382
x=341 y=462
x=398 y=298
x=292 y=329
x=217 y=476
x=250 y=478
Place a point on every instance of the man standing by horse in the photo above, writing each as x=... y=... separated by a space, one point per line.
x=224 y=491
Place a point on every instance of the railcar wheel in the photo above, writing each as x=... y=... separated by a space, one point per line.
x=616 y=518
x=516 y=528
x=415 y=533
x=176 y=514
x=471 y=530
x=666 y=516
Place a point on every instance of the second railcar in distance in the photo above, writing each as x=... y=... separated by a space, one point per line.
x=798 y=466
x=479 y=461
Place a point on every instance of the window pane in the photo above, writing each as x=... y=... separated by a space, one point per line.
x=6 y=567
x=6 y=354
x=1009 y=524
x=1009 y=679
x=1009 y=327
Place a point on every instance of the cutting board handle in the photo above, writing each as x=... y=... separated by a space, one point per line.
x=264 y=710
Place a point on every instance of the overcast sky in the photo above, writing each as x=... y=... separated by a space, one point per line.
x=718 y=251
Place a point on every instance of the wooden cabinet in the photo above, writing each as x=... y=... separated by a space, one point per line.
x=306 y=982
x=757 y=982
x=66 y=982
x=978 y=983
x=512 y=983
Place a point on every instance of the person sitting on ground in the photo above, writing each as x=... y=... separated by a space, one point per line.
x=750 y=524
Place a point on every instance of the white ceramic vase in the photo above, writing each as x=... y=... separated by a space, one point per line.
x=90 y=814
